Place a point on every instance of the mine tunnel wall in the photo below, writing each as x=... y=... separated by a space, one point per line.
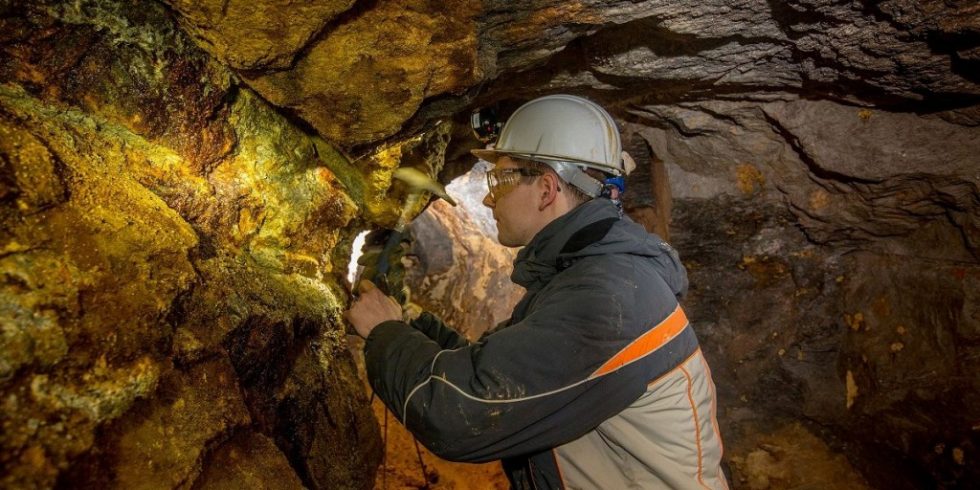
x=170 y=306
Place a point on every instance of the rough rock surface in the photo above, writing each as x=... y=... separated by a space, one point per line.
x=257 y=35
x=833 y=271
x=359 y=82
x=163 y=299
x=357 y=76
x=895 y=52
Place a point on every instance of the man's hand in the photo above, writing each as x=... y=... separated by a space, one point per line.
x=371 y=308
x=389 y=246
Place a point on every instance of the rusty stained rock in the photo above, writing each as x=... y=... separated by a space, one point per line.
x=88 y=279
x=927 y=387
x=135 y=256
x=238 y=217
x=162 y=442
x=792 y=322
x=358 y=73
x=525 y=34
x=378 y=65
x=790 y=456
x=362 y=80
x=715 y=148
x=251 y=35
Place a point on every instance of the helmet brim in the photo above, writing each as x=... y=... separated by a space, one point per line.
x=489 y=155
x=492 y=155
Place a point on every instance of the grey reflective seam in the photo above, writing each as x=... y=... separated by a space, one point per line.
x=432 y=367
x=514 y=400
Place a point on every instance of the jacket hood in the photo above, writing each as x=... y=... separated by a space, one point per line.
x=594 y=228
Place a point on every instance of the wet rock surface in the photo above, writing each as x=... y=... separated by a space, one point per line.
x=163 y=300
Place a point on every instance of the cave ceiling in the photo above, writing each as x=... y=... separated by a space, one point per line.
x=361 y=72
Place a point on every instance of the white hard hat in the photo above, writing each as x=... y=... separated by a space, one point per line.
x=566 y=133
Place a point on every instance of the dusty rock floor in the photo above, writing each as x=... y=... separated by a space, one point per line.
x=790 y=458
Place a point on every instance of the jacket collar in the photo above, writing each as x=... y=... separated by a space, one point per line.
x=537 y=262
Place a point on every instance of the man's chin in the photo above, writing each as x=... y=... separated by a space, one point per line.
x=508 y=243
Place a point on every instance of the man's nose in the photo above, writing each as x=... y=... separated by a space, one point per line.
x=488 y=201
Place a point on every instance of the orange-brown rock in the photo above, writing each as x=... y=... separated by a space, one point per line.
x=458 y=270
x=250 y=35
x=180 y=183
x=361 y=81
x=162 y=290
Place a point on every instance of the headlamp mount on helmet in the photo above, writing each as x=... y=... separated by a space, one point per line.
x=486 y=125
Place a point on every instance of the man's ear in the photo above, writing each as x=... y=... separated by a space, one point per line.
x=548 y=190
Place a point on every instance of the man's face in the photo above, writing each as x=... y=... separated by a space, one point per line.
x=512 y=204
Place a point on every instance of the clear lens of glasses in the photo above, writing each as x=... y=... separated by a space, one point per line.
x=501 y=180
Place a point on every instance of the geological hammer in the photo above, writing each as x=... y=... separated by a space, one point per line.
x=417 y=182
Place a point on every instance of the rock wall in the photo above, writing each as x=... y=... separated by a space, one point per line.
x=833 y=258
x=832 y=252
x=170 y=310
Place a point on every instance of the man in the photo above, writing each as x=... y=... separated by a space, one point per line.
x=597 y=380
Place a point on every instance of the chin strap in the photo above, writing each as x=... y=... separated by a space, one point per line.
x=612 y=189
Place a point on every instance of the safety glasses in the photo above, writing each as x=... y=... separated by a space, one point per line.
x=500 y=181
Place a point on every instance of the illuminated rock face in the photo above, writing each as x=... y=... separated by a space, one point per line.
x=257 y=35
x=169 y=307
x=360 y=81
x=180 y=183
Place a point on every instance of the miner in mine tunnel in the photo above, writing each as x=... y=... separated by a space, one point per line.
x=597 y=379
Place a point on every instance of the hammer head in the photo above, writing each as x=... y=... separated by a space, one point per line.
x=419 y=181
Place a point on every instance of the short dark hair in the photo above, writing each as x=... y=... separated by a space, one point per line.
x=577 y=194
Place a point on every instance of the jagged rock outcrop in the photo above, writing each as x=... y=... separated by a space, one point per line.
x=165 y=309
x=356 y=83
x=257 y=35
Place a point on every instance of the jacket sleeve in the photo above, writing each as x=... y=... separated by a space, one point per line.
x=438 y=331
x=522 y=389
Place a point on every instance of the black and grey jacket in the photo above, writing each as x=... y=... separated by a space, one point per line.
x=596 y=381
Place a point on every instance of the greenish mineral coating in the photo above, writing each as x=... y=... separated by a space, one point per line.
x=387 y=199
x=172 y=253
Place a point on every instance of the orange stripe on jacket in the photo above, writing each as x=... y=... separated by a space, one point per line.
x=654 y=339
